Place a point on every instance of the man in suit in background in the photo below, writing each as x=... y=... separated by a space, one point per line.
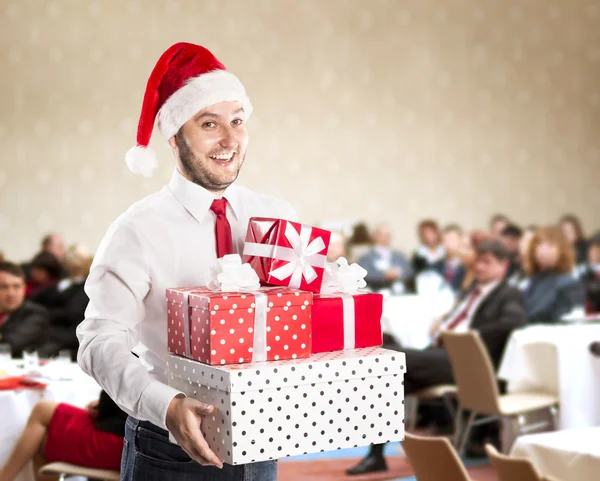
x=23 y=324
x=492 y=307
x=386 y=268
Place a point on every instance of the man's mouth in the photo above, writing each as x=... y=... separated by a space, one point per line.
x=223 y=158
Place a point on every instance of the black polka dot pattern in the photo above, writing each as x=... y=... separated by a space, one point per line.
x=277 y=409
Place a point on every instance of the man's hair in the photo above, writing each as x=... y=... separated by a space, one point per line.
x=453 y=228
x=512 y=230
x=49 y=263
x=12 y=269
x=494 y=247
x=47 y=240
x=497 y=218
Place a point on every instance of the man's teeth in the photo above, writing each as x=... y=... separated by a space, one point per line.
x=222 y=156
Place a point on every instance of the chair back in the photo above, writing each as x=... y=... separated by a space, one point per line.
x=477 y=387
x=433 y=459
x=510 y=469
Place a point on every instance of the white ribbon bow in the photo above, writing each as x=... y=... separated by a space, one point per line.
x=342 y=277
x=230 y=275
x=301 y=257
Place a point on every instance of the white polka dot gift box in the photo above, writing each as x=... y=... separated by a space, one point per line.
x=285 y=253
x=272 y=410
x=217 y=327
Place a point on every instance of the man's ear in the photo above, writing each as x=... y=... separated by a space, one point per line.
x=172 y=142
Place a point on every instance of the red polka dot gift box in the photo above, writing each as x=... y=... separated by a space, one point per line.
x=217 y=327
x=271 y=410
x=285 y=253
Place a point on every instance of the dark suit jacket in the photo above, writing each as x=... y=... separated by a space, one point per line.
x=549 y=296
x=374 y=276
x=421 y=263
x=25 y=329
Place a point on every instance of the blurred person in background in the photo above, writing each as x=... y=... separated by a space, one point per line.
x=492 y=308
x=45 y=271
x=591 y=276
x=551 y=290
x=570 y=225
x=337 y=247
x=59 y=432
x=511 y=237
x=23 y=324
x=386 y=268
x=452 y=237
x=497 y=224
x=66 y=302
x=430 y=255
x=360 y=242
x=53 y=243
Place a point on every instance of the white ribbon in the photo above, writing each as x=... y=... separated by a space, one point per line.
x=344 y=280
x=229 y=274
x=301 y=257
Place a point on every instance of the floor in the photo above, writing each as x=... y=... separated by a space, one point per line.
x=330 y=466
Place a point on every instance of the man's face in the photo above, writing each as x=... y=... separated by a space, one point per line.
x=489 y=269
x=497 y=227
x=12 y=292
x=211 y=146
x=451 y=240
x=382 y=236
x=56 y=246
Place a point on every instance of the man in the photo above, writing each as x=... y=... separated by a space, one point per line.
x=23 y=324
x=169 y=239
x=54 y=243
x=492 y=308
x=452 y=239
x=511 y=237
x=497 y=223
x=386 y=268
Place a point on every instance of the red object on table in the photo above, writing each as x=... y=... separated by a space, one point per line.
x=285 y=253
x=337 y=327
x=19 y=382
x=217 y=327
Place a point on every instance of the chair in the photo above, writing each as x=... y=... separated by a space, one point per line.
x=65 y=469
x=512 y=468
x=477 y=390
x=433 y=459
x=441 y=391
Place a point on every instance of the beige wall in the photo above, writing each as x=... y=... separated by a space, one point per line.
x=380 y=110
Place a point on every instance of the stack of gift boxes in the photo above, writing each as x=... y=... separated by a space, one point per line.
x=292 y=363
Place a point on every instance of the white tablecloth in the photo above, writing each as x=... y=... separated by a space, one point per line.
x=65 y=383
x=408 y=318
x=569 y=455
x=556 y=359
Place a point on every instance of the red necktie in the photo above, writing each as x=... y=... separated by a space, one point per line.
x=222 y=228
x=465 y=312
x=3 y=317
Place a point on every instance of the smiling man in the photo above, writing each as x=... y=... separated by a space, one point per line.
x=169 y=239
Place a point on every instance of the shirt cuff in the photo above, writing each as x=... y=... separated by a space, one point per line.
x=155 y=401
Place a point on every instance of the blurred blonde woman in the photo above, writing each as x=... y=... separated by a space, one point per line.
x=551 y=291
x=67 y=302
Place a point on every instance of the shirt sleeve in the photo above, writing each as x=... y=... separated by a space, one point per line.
x=119 y=280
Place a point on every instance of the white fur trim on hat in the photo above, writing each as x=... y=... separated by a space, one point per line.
x=141 y=160
x=197 y=94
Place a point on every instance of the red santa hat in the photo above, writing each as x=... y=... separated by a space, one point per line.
x=186 y=79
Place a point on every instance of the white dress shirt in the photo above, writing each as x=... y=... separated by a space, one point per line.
x=465 y=324
x=165 y=240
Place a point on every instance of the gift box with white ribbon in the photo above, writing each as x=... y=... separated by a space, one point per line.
x=272 y=410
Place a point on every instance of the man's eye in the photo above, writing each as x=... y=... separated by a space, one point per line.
x=208 y=125
x=237 y=122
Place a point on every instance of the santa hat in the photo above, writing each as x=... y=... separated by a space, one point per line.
x=186 y=79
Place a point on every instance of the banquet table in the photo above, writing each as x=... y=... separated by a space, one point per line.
x=408 y=318
x=568 y=455
x=65 y=382
x=556 y=359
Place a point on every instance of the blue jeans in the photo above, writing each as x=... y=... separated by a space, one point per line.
x=148 y=455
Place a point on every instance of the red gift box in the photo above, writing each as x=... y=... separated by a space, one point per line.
x=346 y=321
x=238 y=327
x=286 y=253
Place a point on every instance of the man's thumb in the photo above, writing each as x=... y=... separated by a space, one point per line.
x=203 y=409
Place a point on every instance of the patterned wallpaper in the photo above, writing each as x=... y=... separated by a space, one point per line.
x=381 y=110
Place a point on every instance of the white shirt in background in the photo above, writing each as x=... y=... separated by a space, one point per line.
x=165 y=240
x=465 y=324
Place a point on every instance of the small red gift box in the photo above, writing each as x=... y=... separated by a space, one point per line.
x=237 y=327
x=346 y=321
x=286 y=253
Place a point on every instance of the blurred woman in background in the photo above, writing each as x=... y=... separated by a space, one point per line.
x=551 y=291
x=570 y=225
x=430 y=255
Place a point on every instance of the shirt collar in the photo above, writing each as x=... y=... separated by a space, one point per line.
x=489 y=287
x=197 y=200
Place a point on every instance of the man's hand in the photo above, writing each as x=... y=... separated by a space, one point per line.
x=184 y=417
x=392 y=274
x=92 y=408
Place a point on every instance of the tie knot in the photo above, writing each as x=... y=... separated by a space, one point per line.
x=219 y=206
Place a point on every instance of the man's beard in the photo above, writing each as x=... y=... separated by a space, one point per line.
x=195 y=169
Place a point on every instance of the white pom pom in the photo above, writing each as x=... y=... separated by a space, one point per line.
x=141 y=160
